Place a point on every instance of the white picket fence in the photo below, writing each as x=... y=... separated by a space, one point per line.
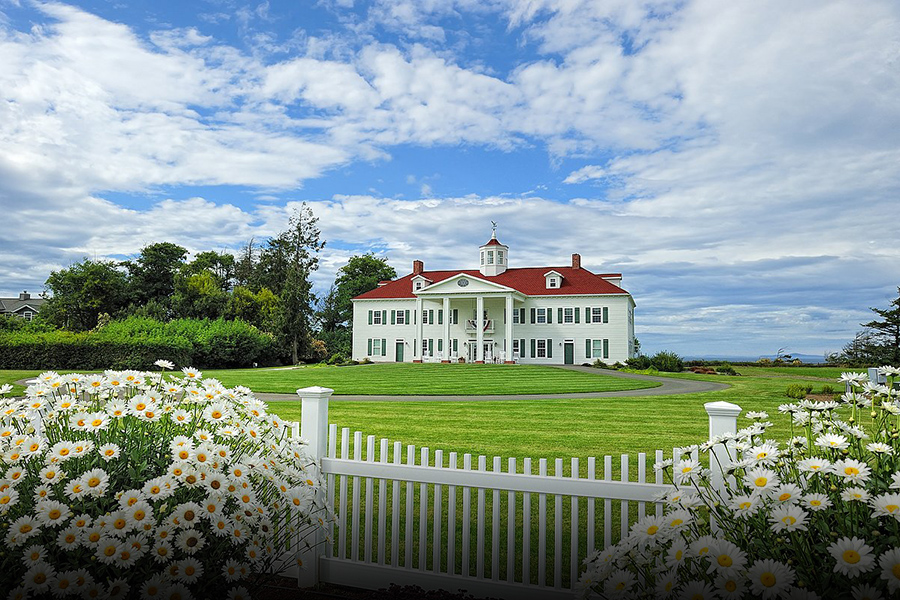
x=407 y=516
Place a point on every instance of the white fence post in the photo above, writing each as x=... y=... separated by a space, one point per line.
x=722 y=419
x=314 y=429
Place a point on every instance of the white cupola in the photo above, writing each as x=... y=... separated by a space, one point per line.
x=493 y=256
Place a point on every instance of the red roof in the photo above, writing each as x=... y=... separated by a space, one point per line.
x=494 y=242
x=530 y=281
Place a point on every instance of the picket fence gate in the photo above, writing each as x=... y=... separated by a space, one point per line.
x=406 y=517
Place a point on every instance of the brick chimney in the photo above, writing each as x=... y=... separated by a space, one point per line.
x=418 y=267
x=576 y=261
x=25 y=296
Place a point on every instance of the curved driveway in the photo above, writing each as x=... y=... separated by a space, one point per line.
x=669 y=386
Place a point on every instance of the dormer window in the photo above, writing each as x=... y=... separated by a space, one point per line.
x=499 y=257
x=419 y=282
x=482 y=257
x=553 y=279
x=490 y=257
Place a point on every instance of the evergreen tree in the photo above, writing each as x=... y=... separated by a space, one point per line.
x=886 y=331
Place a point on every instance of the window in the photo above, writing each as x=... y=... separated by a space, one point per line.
x=596 y=314
x=490 y=257
x=552 y=282
x=401 y=317
x=596 y=348
x=515 y=316
x=376 y=347
x=424 y=316
x=376 y=317
x=419 y=284
x=542 y=348
x=27 y=315
x=517 y=351
x=424 y=347
x=541 y=316
x=499 y=257
x=482 y=257
x=568 y=315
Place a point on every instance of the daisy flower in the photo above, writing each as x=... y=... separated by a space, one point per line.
x=889 y=563
x=51 y=512
x=189 y=570
x=95 y=481
x=852 y=470
x=814 y=465
x=239 y=593
x=866 y=592
x=832 y=441
x=191 y=373
x=726 y=557
x=816 y=502
x=24 y=527
x=886 y=505
x=154 y=587
x=730 y=585
x=677 y=554
x=879 y=448
x=34 y=554
x=761 y=479
x=788 y=517
x=618 y=584
x=649 y=529
x=39 y=577
x=763 y=454
x=769 y=578
x=855 y=494
x=190 y=541
x=108 y=549
x=852 y=556
x=698 y=590
x=786 y=493
x=69 y=538
x=164 y=364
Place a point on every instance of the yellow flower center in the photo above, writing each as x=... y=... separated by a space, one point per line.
x=852 y=471
x=109 y=550
x=139 y=515
x=815 y=503
x=784 y=496
x=891 y=508
x=761 y=481
x=54 y=514
x=851 y=556
x=746 y=505
x=97 y=422
x=189 y=515
x=677 y=522
x=788 y=520
x=119 y=523
x=730 y=585
x=63 y=451
x=93 y=482
x=652 y=529
x=895 y=570
x=725 y=561
x=767 y=579
x=40 y=578
x=70 y=538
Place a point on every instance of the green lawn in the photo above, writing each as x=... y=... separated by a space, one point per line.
x=428 y=379
x=552 y=428
x=830 y=373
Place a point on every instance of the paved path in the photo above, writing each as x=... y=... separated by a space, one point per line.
x=669 y=386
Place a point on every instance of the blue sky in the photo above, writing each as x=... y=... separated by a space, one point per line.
x=736 y=162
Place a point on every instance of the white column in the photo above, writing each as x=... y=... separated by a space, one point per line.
x=722 y=420
x=479 y=324
x=509 y=328
x=314 y=428
x=446 y=328
x=417 y=346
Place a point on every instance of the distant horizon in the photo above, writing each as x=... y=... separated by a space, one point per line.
x=735 y=162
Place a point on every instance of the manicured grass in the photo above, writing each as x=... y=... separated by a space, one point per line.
x=830 y=373
x=427 y=379
x=553 y=428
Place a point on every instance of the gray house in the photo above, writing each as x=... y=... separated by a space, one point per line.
x=24 y=306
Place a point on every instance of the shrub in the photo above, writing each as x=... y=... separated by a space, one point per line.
x=798 y=391
x=135 y=342
x=814 y=518
x=827 y=389
x=336 y=359
x=726 y=369
x=667 y=361
x=639 y=363
x=119 y=459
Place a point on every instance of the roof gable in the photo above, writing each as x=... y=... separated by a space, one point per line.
x=473 y=284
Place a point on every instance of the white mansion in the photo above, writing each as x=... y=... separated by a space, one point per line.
x=531 y=315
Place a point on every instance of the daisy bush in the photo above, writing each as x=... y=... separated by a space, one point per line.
x=135 y=484
x=815 y=517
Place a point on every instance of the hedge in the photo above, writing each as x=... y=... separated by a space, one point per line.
x=136 y=342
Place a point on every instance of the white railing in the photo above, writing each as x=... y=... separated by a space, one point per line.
x=406 y=515
x=487 y=325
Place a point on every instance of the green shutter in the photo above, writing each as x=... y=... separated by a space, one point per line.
x=383 y=347
x=431 y=347
x=549 y=316
x=559 y=317
x=393 y=317
x=441 y=345
x=522 y=316
x=532 y=317
x=370 y=322
x=384 y=317
x=549 y=348
x=588 y=316
x=587 y=348
x=533 y=352
x=606 y=314
x=522 y=348
x=431 y=316
x=406 y=317
x=605 y=348
x=370 y=340
x=455 y=346
x=577 y=315
x=440 y=316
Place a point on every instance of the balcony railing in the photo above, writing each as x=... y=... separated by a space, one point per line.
x=487 y=325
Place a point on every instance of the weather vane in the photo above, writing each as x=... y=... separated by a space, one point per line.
x=494 y=228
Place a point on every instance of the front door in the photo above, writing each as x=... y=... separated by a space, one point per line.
x=569 y=350
x=472 y=351
x=398 y=353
